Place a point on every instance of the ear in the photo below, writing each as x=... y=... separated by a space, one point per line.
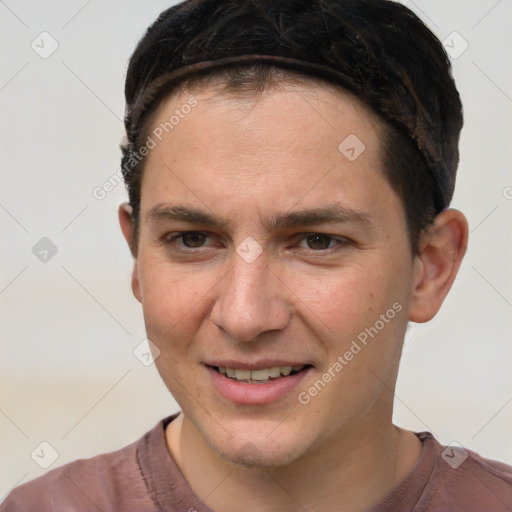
x=441 y=252
x=126 y=223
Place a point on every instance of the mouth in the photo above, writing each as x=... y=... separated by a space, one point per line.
x=261 y=384
x=259 y=376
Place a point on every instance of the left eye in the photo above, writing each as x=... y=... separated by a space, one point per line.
x=318 y=242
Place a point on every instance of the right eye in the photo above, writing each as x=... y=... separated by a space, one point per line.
x=192 y=239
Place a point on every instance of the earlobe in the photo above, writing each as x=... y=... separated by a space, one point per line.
x=441 y=253
x=126 y=223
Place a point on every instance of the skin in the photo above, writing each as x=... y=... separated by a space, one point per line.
x=246 y=161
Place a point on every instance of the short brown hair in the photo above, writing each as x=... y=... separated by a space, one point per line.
x=377 y=50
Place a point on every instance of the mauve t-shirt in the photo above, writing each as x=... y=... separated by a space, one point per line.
x=143 y=477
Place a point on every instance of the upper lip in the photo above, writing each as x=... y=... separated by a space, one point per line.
x=256 y=365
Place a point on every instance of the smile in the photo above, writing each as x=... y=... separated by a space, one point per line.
x=259 y=376
x=257 y=384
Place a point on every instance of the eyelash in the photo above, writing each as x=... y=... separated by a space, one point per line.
x=169 y=241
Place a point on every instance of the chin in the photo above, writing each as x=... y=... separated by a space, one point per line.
x=254 y=449
x=249 y=455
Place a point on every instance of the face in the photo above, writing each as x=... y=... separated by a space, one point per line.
x=274 y=270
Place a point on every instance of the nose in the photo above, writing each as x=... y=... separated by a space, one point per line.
x=252 y=300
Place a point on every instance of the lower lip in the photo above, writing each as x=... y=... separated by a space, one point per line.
x=255 y=394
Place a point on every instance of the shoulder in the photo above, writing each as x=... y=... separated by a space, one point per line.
x=103 y=482
x=463 y=480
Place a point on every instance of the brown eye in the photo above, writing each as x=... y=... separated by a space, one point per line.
x=318 y=242
x=193 y=239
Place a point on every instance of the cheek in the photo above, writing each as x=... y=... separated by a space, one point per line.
x=341 y=299
x=174 y=301
x=359 y=317
x=355 y=304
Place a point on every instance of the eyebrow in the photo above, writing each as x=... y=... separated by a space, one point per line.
x=335 y=214
x=166 y=212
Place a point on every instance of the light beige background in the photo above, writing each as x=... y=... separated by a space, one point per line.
x=68 y=375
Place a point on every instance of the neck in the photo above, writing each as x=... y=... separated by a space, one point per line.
x=351 y=473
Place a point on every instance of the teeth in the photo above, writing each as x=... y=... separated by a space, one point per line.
x=275 y=371
x=243 y=374
x=260 y=374
x=263 y=374
x=286 y=370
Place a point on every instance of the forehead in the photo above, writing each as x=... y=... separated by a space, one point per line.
x=289 y=145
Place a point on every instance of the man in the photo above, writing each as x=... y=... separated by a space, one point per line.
x=289 y=166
